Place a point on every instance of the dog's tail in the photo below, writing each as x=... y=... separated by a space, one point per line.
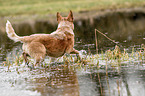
x=11 y=33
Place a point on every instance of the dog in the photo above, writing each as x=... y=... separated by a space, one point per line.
x=55 y=44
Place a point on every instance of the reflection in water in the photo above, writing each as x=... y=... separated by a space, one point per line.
x=61 y=82
x=129 y=81
x=124 y=79
x=66 y=81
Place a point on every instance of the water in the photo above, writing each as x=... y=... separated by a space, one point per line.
x=129 y=81
x=61 y=80
x=125 y=79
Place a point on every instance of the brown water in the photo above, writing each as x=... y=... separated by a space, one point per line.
x=125 y=80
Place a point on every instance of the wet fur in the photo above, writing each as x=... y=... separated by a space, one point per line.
x=55 y=44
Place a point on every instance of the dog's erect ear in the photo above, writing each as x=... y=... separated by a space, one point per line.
x=70 y=16
x=59 y=17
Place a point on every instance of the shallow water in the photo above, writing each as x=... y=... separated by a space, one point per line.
x=125 y=79
x=129 y=81
x=60 y=80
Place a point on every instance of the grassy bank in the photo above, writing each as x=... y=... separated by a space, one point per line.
x=31 y=7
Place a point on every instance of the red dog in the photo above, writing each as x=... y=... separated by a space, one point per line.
x=55 y=44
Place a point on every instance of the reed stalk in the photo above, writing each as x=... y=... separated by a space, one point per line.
x=96 y=41
x=107 y=37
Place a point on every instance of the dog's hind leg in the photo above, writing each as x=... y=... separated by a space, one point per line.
x=25 y=58
x=37 y=51
x=38 y=59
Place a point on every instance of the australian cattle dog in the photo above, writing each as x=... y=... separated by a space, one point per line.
x=55 y=44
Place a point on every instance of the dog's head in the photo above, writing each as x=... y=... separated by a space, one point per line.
x=65 y=21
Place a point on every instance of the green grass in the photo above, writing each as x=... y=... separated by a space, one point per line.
x=112 y=58
x=31 y=7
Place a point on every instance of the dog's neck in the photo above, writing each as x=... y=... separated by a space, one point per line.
x=66 y=24
x=63 y=26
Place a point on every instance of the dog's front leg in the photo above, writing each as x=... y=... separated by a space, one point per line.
x=74 y=51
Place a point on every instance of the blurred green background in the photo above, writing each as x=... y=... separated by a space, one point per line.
x=41 y=7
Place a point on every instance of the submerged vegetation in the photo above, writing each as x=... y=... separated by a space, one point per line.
x=59 y=74
x=112 y=58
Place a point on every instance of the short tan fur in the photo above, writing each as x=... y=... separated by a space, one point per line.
x=55 y=44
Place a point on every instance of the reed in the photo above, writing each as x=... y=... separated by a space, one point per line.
x=110 y=58
x=106 y=37
x=96 y=41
